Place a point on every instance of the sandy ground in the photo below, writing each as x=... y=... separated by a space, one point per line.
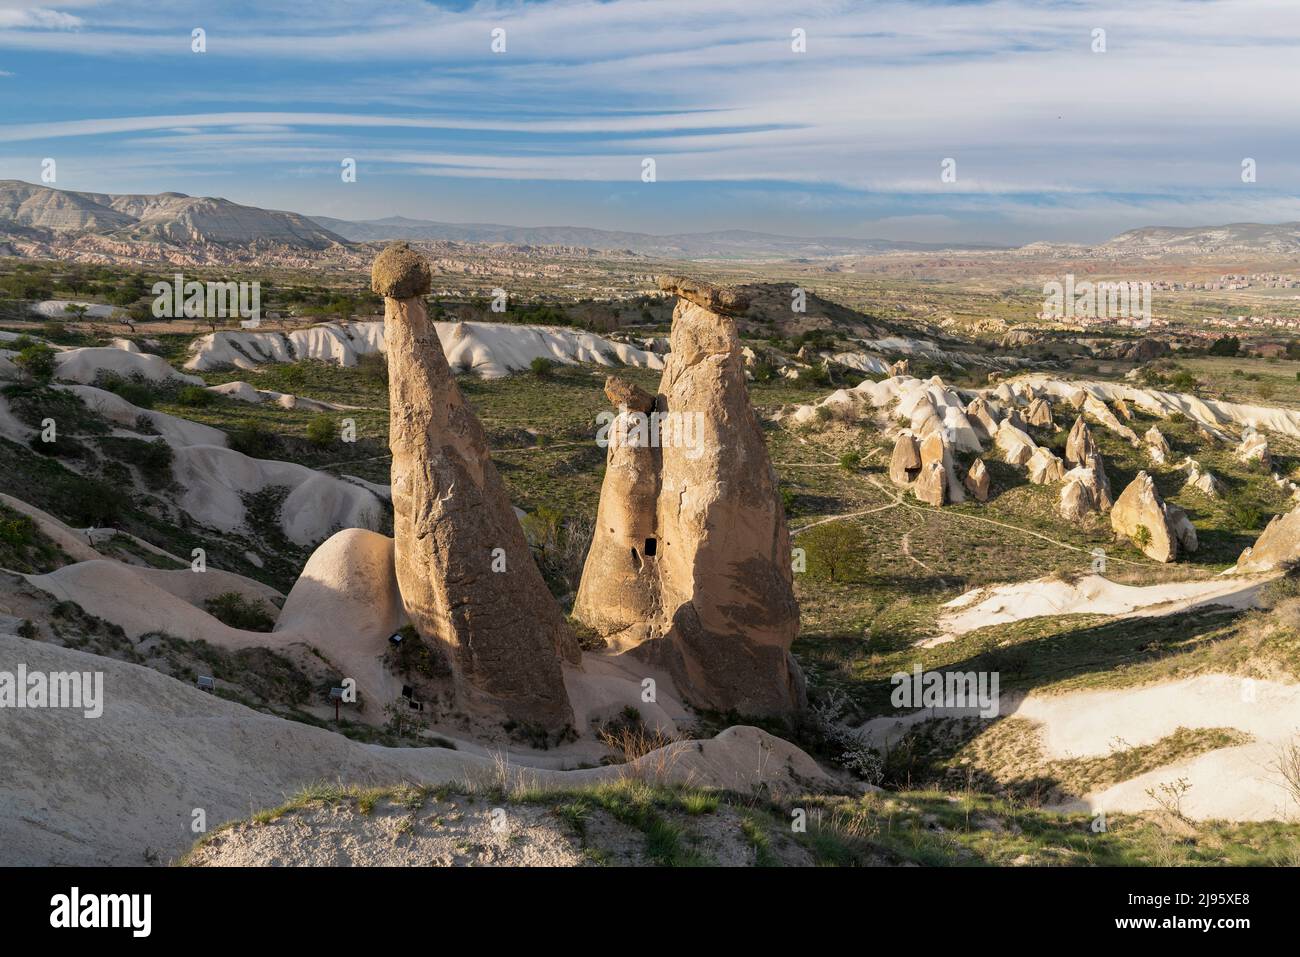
x=1239 y=783
x=1089 y=595
x=458 y=831
x=123 y=786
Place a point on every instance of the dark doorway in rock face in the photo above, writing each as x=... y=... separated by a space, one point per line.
x=636 y=559
x=650 y=546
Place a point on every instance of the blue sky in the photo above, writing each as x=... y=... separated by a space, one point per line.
x=1051 y=140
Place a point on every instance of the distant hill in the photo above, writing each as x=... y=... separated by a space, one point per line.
x=1280 y=238
x=724 y=244
x=32 y=212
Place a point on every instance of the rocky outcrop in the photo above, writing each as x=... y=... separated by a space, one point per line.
x=1157 y=447
x=1039 y=414
x=717 y=299
x=899 y=368
x=934 y=448
x=1079 y=445
x=1278 y=546
x=905 y=463
x=1122 y=410
x=1016 y=446
x=1153 y=438
x=464 y=569
x=1198 y=478
x=1044 y=467
x=1076 y=501
x=709 y=591
x=1157 y=529
x=931 y=484
x=982 y=418
x=1103 y=415
x=977 y=481
x=1144 y=350
x=1086 y=490
x=1254 y=448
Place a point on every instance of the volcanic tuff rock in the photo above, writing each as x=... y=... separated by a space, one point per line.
x=1167 y=527
x=1039 y=414
x=977 y=481
x=624 y=394
x=1102 y=413
x=1080 y=443
x=1016 y=446
x=467 y=577
x=1278 y=546
x=931 y=484
x=905 y=463
x=935 y=448
x=705 y=295
x=701 y=566
x=1086 y=490
x=1197 y=477
x=1254 y=448
x=1044 y=467
x=982 y=418
x=1154 y=439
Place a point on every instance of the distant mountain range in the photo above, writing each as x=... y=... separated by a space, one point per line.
x=41 y=213
x=43 y=221
x=724 y=244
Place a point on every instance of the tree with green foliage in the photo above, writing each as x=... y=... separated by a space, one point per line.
x=1226 y=346
x=36 y=362
x=835 y=550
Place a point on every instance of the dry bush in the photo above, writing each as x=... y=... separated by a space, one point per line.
x=1288 y=765
x=631 y=743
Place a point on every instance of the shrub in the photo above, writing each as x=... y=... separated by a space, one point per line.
x=155 y=461
x=233 y=609
x=850 y=461
x=322 y=430
x=137 y=393
x=253 y=440
x=18 y=532
x=36 y=362
x=542 y=367
x=374 y=368
x=91 y=502
x=194 y=396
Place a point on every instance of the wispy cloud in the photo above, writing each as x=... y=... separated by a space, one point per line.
x=714 y=90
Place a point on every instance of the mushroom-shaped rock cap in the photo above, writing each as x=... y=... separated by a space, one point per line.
x=400 y=272
x=705 y=295
x=629 y=394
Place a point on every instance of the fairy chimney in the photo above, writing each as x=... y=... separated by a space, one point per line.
x=464 y=569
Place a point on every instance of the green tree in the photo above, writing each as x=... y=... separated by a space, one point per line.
x=36 y=362
x=835 y=550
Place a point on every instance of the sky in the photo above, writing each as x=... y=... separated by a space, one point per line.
x=845 y=134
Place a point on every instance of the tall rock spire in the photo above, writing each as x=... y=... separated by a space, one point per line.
x=467 y=578
x=717 y=581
